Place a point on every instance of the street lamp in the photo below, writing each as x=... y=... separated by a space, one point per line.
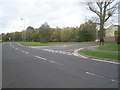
x=23 y=32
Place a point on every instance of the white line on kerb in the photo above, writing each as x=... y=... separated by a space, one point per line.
x=104 y=61
x=77 y=54
x=40 y=57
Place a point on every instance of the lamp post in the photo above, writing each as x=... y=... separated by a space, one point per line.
x=23 y=32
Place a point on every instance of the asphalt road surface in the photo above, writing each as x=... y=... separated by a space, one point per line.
x=54 y=67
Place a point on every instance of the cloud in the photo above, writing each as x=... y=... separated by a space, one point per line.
x=61 y=13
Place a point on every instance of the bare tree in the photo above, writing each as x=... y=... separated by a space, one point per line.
x=104 y=10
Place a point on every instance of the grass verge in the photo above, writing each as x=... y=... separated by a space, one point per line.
x=101 y=54
x=109 y=47
x=33 y=44
x=50 y=43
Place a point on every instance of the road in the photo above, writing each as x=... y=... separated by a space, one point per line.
x=54 y=67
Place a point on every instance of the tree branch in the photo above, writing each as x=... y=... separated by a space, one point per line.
x=93 y=10
x=107 y=18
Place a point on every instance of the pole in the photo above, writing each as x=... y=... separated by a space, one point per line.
x=24 y=32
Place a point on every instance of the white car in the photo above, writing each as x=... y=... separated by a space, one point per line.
x=97 y=40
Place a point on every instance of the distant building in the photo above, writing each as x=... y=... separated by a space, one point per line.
x=0 y=37
x=110 y=32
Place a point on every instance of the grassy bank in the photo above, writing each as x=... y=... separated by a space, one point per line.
x=110 y=47
x=101 y=54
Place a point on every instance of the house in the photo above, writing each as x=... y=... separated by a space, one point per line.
x=0 y=37
x=110 y=32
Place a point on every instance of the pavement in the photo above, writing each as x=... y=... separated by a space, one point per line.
x=54 y=67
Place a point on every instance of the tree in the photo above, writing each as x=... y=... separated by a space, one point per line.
x=29 y=33
x=104 y=10
x=86 y=32
x=16 y=36
x=36 y=36
x=65 y=35
x=55 y=37
x=44 y=32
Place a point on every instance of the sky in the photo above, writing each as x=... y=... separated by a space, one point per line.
x=16 y=15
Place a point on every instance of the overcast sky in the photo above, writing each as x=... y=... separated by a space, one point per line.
x=61 y=13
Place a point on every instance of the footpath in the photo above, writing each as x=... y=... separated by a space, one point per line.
x=93 y=48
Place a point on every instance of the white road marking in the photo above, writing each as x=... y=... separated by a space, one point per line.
x=77 y=54
x=83 y=57
x=19 y=44
x=60 y=51
x=49 y=50
x=69 y=54
x=52 y=50
x=40 y=57
x=101 y=76
x=16 y=48
x=47 y=60
x=90 y=73
x=56 y=51
x=114 y=80
x=27 y=52
x=105 y=61
x=23 y=51
x=63 y=53
x=52 y=61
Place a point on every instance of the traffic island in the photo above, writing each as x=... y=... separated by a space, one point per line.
x=94 y=53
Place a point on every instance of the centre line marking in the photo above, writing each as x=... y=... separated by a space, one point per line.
x=101 y=76
x=16 y=48
x=40 y=57
x=55 y=62
x=52 y=61
x=23 y=51
x=27 y=52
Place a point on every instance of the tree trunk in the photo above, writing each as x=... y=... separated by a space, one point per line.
x=101 y=27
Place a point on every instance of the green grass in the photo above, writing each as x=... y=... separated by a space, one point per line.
x=69 y=42
x=52 y=43
x=101 y=54
x=109 y=47
x=33 y=44
x=49 y=43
